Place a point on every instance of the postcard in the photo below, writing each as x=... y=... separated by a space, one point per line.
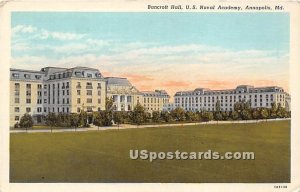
x=150 y=96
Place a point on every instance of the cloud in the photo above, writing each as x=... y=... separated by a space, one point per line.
x=151 y=65
x=24 y=29
x=40 y=33
x=136 y=77
x=176 y=84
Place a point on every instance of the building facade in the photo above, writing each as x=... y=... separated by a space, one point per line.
x=155 y=100
x=124 y=95
x=205 y=99
x=55 y=90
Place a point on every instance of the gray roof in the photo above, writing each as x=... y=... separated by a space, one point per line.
x=117 y=81
x=156 y=93
x=21 y=74
x=247 y=88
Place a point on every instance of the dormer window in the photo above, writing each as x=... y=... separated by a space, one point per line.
x=89 y=75
x=78 y=73
x=38 y=76
x=15 y=75
x=27 y=76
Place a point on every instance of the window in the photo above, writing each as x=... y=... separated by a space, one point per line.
x=45 y=100
x=17 y=109
x=78 y=100
x=68 y=92
x=89 y=100
x=78 y=92
x=89 y=109
x=128 y=98
x=17 y=85
x=78 y=110
x=17 y=100
x=67 y=85
x=28 y=86
x=38 y=76
x=99 y=101
x=89 y=85
x=68 y=100
x=89 y=92
x=28 y=100
x=15 y=75
x=27 y=76
x=67 y=109
x=78 y=73
x=39 y=109
x=89 y=75
x=28 y=109
x=28 y=93
x=45 y=110
x=17 y=118
x=99 y=93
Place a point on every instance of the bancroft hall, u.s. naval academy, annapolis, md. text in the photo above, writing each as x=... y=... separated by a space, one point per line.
x=194 y=7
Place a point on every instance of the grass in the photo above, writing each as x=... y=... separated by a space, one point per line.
x=103 y=156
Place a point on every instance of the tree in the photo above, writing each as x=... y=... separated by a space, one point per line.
x=138 y=115
x=273 y=111
x=178 y=114
x=234 y=115
x=107 y=117
x=63 y=120
x=155 y=116
x=109 y=104
x=218 y=116
x=166 y=116
x=264 y=113
x=255 y=113
x=225 y=115
x=246 y=115
x=75 y=120
x=218 y=106
x=281 y=112
x=26 y=121
x=207 y=116
x=51 y=120
x=83 y=118
x=118 y=117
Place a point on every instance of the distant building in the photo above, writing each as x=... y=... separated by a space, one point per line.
x=125 y=96
x=205 y=99
x=155 y=100
x=169 y=106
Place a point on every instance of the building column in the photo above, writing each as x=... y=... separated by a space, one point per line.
x=125 y=103
x=118 y=103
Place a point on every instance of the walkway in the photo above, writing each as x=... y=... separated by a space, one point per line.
x=128 y=126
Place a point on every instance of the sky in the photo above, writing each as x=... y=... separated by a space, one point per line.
x=171 y=51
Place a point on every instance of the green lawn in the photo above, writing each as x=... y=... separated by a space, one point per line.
x=103 y=156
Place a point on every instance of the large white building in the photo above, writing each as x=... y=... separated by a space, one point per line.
x=71 y=90
x=125 y=96
x=205 y=99
x=155 y=100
